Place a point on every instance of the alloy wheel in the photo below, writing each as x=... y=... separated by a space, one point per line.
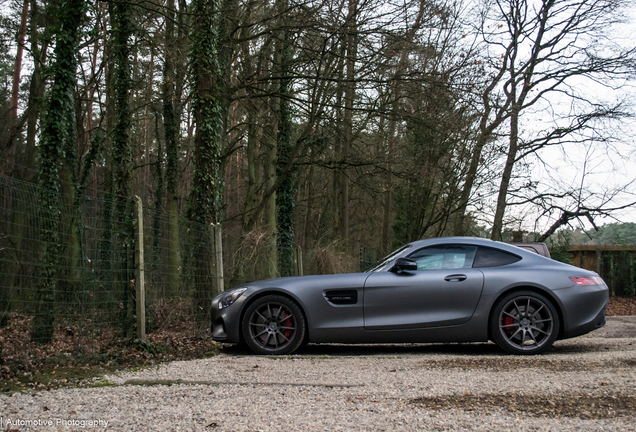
x=273 y=324
x=526 y=323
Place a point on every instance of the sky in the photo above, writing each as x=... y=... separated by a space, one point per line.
x=600 y=168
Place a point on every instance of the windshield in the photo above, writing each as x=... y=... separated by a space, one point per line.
x=388 y=259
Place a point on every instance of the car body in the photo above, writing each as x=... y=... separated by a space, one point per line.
x=453 y=289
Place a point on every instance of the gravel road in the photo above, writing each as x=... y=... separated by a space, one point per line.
x=586 y=383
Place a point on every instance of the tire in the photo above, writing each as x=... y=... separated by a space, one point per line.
x=524 y=323
x=273 y=325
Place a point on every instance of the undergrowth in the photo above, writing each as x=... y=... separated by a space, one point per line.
x=73 y=361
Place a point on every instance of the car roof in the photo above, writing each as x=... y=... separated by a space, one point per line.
x=456 y=240
x=477 y=241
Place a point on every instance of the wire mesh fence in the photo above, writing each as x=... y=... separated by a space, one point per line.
x=80 y=282
x=93 y=296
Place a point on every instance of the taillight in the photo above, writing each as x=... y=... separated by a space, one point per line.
x=587 y=280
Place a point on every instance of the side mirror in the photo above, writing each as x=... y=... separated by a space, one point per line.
x=404 y=264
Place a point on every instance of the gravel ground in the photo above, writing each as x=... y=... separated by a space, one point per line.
x=586 y=383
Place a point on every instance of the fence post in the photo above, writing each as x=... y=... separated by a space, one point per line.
x=299 y=261
x=139 y=277
x=218 y=257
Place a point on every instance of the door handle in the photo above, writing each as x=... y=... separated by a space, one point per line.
x=455 y=278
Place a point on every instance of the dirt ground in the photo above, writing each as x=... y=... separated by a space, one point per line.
x=617 y=327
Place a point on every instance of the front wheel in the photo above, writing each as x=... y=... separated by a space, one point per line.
x=524 y=322
x=273 y=325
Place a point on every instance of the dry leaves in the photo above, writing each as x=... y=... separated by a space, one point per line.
x=619 y=306
x=81 y=346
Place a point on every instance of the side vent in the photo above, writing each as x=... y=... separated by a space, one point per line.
x=342 y=297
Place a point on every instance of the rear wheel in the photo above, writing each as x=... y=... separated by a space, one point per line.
x=273 y=324
x=524 y=322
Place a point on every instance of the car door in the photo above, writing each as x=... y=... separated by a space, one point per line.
x=444 y=291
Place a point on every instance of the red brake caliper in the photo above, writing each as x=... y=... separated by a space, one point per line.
x=286 y=323
x=508 y=321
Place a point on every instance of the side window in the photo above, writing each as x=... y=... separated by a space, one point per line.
x=488 y=257
x=444 y=257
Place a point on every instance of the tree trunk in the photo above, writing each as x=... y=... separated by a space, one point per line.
x=15 y=89
x=170 y=127
x=122 y=25
x=469 y=182
x=158 y=283
x=336 y=222
x=10 y=151
x=147 y=132
x=286 y=193
x=206 y=194
x=270 y=212
x=391 y=138
x=36 y=87
x=497 y=226
x=55 y=138
x=254 y=114
x=350 y=88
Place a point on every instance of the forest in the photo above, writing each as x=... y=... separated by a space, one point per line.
x=340 y=128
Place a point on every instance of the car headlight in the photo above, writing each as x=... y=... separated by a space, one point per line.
x=230 y=297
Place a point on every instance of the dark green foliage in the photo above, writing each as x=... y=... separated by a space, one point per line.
x=57 y=137
x=560 y=244
x=618 y=268
x=608 y=234
x=616 y=234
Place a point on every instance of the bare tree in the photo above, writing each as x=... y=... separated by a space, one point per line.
x=552 y=44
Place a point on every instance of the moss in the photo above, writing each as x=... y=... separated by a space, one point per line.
x=103 y=383
x=53 y=377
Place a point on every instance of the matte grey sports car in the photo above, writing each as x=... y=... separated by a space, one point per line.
x=454 y=289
